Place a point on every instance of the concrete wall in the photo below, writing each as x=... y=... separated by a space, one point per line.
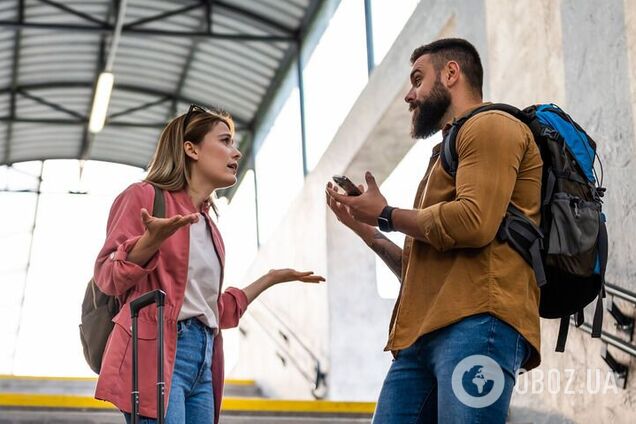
x=579 y=54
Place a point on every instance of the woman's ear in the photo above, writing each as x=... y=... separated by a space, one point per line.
x=191 y=150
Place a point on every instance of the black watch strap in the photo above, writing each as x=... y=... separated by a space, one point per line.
x=385 y=222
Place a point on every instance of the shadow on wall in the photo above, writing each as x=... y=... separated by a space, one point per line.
x=529 y=415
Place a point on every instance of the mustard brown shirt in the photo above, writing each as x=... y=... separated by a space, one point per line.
x=460 y=268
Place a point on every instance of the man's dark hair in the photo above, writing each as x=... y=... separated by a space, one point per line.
x=459 y=50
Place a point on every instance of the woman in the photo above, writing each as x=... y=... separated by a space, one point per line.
x=183 y=255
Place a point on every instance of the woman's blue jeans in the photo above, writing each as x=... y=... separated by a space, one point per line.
x=463 y=373
x=191 y=397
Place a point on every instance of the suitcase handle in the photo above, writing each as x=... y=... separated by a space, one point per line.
x=158 y=297
x=155 y=296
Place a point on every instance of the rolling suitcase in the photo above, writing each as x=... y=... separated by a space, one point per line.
x=158 y=297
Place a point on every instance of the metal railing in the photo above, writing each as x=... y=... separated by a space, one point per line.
x=624 y=324
x=291 y=348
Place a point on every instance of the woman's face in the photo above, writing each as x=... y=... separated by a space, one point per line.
x=215 y=158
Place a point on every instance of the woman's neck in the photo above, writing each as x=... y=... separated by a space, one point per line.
x=199 y=193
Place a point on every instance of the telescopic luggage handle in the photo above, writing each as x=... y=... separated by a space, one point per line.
x=155 y=296
x=158 y=297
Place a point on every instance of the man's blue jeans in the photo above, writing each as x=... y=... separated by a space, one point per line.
x=191 y=397
x=462 y=373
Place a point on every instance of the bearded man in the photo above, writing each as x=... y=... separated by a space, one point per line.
x=467 y=319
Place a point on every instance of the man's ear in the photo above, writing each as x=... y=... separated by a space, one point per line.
x=451 y=73
x=191 y=150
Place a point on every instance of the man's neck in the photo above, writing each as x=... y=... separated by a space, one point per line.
x=460 y=107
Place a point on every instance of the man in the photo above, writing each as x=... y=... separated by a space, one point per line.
x=467 y=315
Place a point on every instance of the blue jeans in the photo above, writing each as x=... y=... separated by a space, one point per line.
x=191 y=397
x=463 y=373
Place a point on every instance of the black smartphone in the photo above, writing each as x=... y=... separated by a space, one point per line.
x=350 y=188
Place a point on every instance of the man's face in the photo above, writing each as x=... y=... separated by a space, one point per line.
x=428 y=98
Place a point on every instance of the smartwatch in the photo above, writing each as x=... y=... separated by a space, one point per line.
x=384 y=220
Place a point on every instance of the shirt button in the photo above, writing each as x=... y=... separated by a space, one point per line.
x=112 y=256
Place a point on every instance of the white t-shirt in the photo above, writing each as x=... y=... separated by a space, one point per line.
x=204 y=277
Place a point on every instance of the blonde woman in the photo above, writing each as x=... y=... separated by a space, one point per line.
x=183 y=255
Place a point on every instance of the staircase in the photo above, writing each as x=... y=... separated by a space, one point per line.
x=70 y=401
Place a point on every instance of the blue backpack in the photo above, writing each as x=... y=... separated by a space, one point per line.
x=568 y=251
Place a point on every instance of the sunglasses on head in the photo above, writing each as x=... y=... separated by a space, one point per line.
x=193 y=108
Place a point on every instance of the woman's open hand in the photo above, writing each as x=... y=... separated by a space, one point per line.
x=159 y=229
x=285 y=275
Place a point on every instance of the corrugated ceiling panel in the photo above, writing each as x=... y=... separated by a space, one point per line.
x=8 y=10
x=49 y=56
x=132 y=146
x=156 y=62
x=4 y=106
x=232 y=74
x=240 y=111
x=228 y=21
x=33 y=141
x=3 y=139
x=6 y=57
x=286 y=12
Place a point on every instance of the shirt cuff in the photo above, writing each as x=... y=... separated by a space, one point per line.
x=133 y=270
x=430 y=225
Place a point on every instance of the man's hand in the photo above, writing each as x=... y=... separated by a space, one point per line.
x=364 y=231
x=364 y=208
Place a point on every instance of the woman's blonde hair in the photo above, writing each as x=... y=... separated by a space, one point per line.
x=169 y=168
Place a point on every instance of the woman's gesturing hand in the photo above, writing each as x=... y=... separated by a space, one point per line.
x=159 y=229
x=276 y=276
x=285 y=275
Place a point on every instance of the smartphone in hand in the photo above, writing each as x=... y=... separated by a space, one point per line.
x=350 y=188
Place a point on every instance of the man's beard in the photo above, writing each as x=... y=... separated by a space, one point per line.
x=429 y=113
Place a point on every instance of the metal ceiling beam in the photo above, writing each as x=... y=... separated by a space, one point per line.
x=124 y=87
x=140 y=107
x=74 y=12
x=28 y=266
x=15 y=65
x=100 y=62
x=204 y=35
x=207 y=21
x=287 y=64
x=162 y=16
x=78 y=122
x=52 y=105
x=256 y=17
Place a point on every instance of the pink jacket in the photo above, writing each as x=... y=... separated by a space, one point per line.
x=167 y=270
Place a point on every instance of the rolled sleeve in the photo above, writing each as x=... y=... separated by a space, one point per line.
x=113 y=273
x=232 y=305
x=130 y=271
x=431 y=226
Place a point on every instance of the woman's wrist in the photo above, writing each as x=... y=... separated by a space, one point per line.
x=269 y=281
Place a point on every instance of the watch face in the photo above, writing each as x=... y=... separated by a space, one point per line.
x=383 y=223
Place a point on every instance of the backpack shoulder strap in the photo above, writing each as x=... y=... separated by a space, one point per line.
x=448 y=152
x=158 y=206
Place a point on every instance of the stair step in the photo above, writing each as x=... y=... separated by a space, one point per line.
x=58 y=408
x=114 y=417
x=86 y=386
